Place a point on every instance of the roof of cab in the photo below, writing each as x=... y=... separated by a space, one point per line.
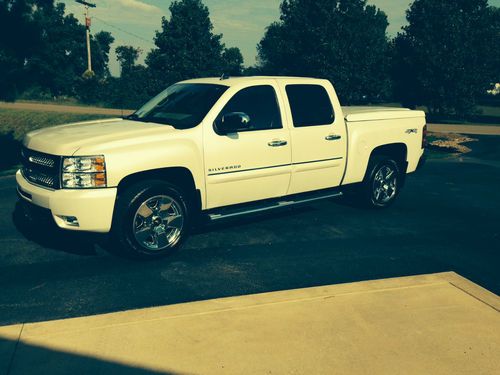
x=230 y=81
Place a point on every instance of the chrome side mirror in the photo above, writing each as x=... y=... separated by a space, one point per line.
x=232 y=122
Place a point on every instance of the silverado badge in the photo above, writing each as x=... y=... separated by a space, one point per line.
x=224 y=169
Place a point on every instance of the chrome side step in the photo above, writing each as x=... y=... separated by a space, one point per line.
x=255 y=208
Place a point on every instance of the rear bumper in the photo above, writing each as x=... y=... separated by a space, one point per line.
x=92 y=208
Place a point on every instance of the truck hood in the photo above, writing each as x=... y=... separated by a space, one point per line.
x=67 y=139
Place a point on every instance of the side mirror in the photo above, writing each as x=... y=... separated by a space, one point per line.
x=232 y=122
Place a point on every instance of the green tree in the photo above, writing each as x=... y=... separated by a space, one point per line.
x=61 y=58
x=16 y=20
x=341 y=40
x=42 y=47
x=233 y=61
x=132 y=88
x=448 y=55
x=186 y=45
x=101 y=46
x=127 y=57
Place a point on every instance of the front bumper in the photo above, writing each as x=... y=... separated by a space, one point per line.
x=93 y=208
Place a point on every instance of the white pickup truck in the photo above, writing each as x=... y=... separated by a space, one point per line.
x=217 y=147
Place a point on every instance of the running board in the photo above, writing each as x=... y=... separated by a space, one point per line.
x=259 y=207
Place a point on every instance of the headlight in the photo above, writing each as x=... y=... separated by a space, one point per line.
x=80 y=172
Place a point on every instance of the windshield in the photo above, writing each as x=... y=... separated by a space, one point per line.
x=182 y=105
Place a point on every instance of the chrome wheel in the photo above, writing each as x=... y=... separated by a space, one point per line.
x=158 y=223
x=385 y=185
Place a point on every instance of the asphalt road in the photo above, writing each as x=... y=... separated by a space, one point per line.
x=446 y=219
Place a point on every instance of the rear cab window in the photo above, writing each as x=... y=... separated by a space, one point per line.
x=310 y=105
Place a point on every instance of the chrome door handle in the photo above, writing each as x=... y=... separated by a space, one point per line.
x=333 y=137
x=277 y=143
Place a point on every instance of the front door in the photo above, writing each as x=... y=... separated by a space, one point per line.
x=253 y=164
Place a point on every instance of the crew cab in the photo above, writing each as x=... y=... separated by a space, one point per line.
x=217 y=148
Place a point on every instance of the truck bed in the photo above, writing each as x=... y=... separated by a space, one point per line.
x=356 y=114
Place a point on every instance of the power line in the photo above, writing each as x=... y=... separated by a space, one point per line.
x=126 y=32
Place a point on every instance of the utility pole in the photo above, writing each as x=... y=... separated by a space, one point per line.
x=87 y=30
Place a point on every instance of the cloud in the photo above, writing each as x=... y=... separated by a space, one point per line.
x=243 y=23
x=139 y=5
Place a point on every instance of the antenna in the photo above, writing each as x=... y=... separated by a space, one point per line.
x=224 y=76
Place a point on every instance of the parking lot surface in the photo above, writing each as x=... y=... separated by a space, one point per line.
x=446 y=219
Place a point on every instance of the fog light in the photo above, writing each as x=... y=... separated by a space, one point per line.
x=71 y=221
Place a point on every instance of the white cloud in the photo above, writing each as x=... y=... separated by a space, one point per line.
x=139 y=5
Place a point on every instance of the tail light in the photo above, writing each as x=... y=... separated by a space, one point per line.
x=424 y=136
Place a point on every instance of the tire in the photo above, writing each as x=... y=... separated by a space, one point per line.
x=382 y=183
x=151 y=220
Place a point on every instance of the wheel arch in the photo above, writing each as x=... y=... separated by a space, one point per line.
x=396 y=151
x=180 y=176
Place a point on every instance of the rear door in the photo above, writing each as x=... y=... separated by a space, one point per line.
x=253 y=164
x=319 y=142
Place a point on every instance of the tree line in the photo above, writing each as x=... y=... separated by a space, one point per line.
x=445 y=58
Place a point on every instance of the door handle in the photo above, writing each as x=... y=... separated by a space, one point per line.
x=277 y=143
x=333 y=137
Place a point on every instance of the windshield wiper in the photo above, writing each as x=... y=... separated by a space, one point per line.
x=132 y=117
x=135 y=117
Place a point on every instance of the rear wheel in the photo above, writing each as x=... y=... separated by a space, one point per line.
x=382 y=183
x=151 y=219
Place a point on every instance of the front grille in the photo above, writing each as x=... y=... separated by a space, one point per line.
x=44 y=161
x=41 y=169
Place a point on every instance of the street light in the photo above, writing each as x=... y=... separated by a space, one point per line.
x=87 y=27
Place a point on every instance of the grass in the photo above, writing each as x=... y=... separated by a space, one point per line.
x=19 y=122
x=14 y=124
x=68 y=102
x=490 y=111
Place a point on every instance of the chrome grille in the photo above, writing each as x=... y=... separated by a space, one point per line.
x=42 y=160
x=39 y=178
x=41 y=169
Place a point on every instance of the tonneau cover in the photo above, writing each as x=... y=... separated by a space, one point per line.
x=355 y=114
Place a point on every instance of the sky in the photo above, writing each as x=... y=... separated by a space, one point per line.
x=242 y=22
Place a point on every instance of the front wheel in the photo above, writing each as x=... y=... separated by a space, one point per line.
x=151 y=219
x=383 y=183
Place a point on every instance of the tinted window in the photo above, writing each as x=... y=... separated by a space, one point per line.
x=182 y=105
x=260 y=104
x=310 y=105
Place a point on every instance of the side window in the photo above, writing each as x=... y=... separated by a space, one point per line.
x=310 y=105
x=260 y=104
